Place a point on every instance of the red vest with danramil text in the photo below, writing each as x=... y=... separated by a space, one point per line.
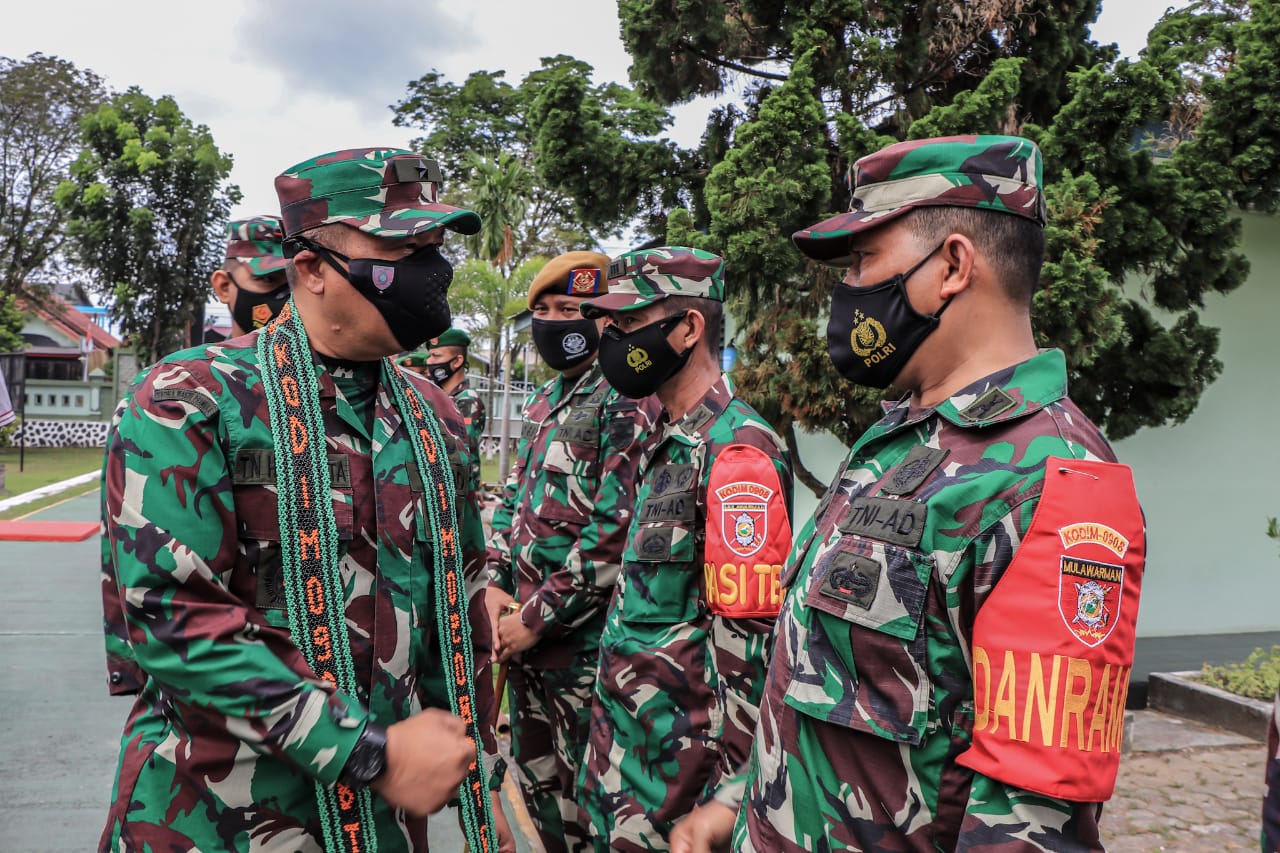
x=1053 y=642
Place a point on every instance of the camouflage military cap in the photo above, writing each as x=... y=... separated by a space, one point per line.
x=450 y=338
x=256 y=243
x=643 y=277
x=1003 y=173
x=385 y=192
x=580 y=274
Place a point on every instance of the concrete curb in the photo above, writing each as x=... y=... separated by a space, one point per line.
x=49 y=490
x=1180 y=693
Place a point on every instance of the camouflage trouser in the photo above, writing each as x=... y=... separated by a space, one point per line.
x=551 y=709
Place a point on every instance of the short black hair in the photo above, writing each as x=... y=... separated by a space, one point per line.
x=712 y=311
x=332 y=236
x=1012 y=244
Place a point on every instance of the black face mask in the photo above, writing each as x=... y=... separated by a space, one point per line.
x=410 y=294
x=251 y=310
x=873 y=330
x=440 y=373
x=564 y=343
x=637 y=363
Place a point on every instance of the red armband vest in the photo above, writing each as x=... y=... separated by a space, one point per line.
x=1053 y=642
x=748 y=534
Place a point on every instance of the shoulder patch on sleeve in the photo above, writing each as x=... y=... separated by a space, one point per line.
x=1053 y=642
x=190 y=396
x=748 y=534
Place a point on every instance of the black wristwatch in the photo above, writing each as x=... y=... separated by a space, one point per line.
x=368 y=757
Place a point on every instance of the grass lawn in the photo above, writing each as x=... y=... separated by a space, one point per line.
x=45 y=465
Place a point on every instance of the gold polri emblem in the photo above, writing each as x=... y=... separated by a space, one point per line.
x=869 y=340
x=638 y=359
x=868 y=334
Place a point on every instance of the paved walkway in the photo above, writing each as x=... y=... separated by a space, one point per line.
x=1186 y=788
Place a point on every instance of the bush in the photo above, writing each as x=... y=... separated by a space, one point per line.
x=1257 y=678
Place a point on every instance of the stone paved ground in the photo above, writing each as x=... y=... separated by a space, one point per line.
x=1188 y=801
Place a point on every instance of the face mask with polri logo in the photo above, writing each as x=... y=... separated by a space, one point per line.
x=873 y=330
x=637 y=363
x=564 y=343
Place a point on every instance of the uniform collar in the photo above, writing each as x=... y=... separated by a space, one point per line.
x=1006 y=395
x=692 y=427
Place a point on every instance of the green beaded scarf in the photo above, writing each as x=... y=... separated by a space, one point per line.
x=311 y=576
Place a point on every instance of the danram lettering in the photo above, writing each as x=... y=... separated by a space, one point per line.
x=739 y=584
x=1054 y=701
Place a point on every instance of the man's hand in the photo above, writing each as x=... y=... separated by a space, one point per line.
x=427 y=759
x=706 y=829
x=495 y=599
x=514 y=637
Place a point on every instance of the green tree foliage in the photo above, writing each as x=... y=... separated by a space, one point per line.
x=146 y=203
x=42 y=100
x=1145 y=160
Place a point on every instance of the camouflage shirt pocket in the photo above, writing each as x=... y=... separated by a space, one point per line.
x=863 y=663
x=570 y=470
x=259 y=578
x=660 y=583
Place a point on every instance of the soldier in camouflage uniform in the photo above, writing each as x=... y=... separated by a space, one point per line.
x=252 y=284
x=557 y=540
x=252 y=281
x=684 y=649
x=293 y=558
x=446 y=365
x=1271 y=803
x=953 y=656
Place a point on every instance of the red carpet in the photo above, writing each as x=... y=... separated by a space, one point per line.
x=48 y=531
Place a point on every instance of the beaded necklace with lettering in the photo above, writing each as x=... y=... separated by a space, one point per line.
x=313 y=586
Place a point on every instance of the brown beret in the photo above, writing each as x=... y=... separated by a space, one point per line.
x=581 y=274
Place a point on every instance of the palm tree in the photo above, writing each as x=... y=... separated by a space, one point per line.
x=500 y=187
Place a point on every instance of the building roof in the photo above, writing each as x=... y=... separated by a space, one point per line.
x=61 y=314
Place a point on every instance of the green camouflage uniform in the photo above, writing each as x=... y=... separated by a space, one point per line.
x=676 y=695
x=556 y=545
x=471 y=405
x=232 y=729
x=680 y=674
x=860 y=725
x=191 y=521
x=867 y=723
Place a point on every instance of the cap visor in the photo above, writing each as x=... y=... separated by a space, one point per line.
x=830 y=241
x=409 y=221
x=262 y=266
x=600 y=305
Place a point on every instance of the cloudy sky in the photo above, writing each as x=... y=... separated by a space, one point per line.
x=278 y=82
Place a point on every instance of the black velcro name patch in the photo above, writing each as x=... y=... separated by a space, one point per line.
x=852 y=578
x=889 y=520
x=588 y=434
x=914 y=470
x=677 y=506
x=529 y=430
x=190 y=396
x=653 y=544
x=256 y=466
x=993 y=403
